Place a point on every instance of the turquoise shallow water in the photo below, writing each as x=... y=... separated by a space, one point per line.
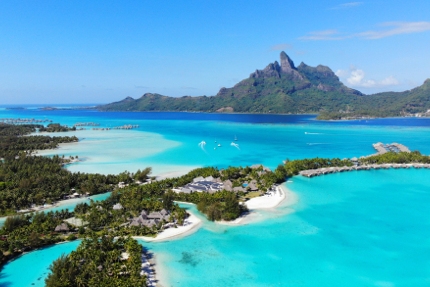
x=368 y=228
x=32 y=268
x=169 y=142
x=352 y=229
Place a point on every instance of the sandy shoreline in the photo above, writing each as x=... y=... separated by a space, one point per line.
x=64 y=202
x=271 y=200
x=191 y=225
x=283 y=195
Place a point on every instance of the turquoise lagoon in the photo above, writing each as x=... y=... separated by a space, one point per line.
x=368 y=228
x=32 y=268
x=169 y=142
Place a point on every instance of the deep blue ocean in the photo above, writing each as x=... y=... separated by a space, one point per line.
x=367 y=228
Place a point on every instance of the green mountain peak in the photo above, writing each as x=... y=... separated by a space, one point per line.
x=281 y=87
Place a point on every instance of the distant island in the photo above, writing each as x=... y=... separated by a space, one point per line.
x=283 y=88
x=15 y=108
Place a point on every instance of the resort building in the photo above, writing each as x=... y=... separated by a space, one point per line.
x=151 y=219
x=62 y=228
x=202 y=184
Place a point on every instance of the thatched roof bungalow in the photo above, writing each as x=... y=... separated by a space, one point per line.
x=62 y=228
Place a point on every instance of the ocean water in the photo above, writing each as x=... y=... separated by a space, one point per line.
x=367 y=228
x=32 y=268
x=169 y=142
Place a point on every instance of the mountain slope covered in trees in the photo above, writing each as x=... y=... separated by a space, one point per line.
x=283 y=88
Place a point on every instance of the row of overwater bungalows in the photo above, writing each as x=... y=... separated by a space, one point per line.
x=328 y=170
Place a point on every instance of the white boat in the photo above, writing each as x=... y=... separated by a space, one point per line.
x=235 y=138
x=219 y=144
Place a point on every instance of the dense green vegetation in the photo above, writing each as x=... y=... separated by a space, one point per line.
x=392 y=157
x=52 y=128
x=294 y=167
x=101 y=215
x=315 y=90
x=13 y=141
x=222 y=205
x=34 y=180
x=98 y=262
x=29 y=231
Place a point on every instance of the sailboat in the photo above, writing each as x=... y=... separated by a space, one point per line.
x=235 y=138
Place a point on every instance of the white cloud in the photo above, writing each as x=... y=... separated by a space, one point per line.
x=396 y=28
x=346 y=5
x=357 y=78
x=390 y=81
x=281 y=47
x=391 y=29
x=323 y=35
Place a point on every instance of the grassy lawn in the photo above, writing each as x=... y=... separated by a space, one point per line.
x=250 y=195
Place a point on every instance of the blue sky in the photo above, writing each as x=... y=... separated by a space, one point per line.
x=103 y=51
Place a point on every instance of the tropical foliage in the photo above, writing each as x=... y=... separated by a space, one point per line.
x=52 y=128
x=392 y=157
x=13 y=141
x=29 y=231
x=99 y=261
x=293 y=167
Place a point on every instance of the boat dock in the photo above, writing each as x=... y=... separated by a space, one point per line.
x=384 y=148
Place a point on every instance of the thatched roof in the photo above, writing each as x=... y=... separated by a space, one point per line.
x=62 y=228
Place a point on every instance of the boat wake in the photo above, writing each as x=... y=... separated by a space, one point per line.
x=202 y=145
x=316 y=143
x=308 y=133
x=235 y=145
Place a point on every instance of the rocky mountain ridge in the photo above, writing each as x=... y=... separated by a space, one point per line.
x=281 y=87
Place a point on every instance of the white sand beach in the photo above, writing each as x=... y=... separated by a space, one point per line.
x=191 y=225
x=269 y=200
x=282 y=195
